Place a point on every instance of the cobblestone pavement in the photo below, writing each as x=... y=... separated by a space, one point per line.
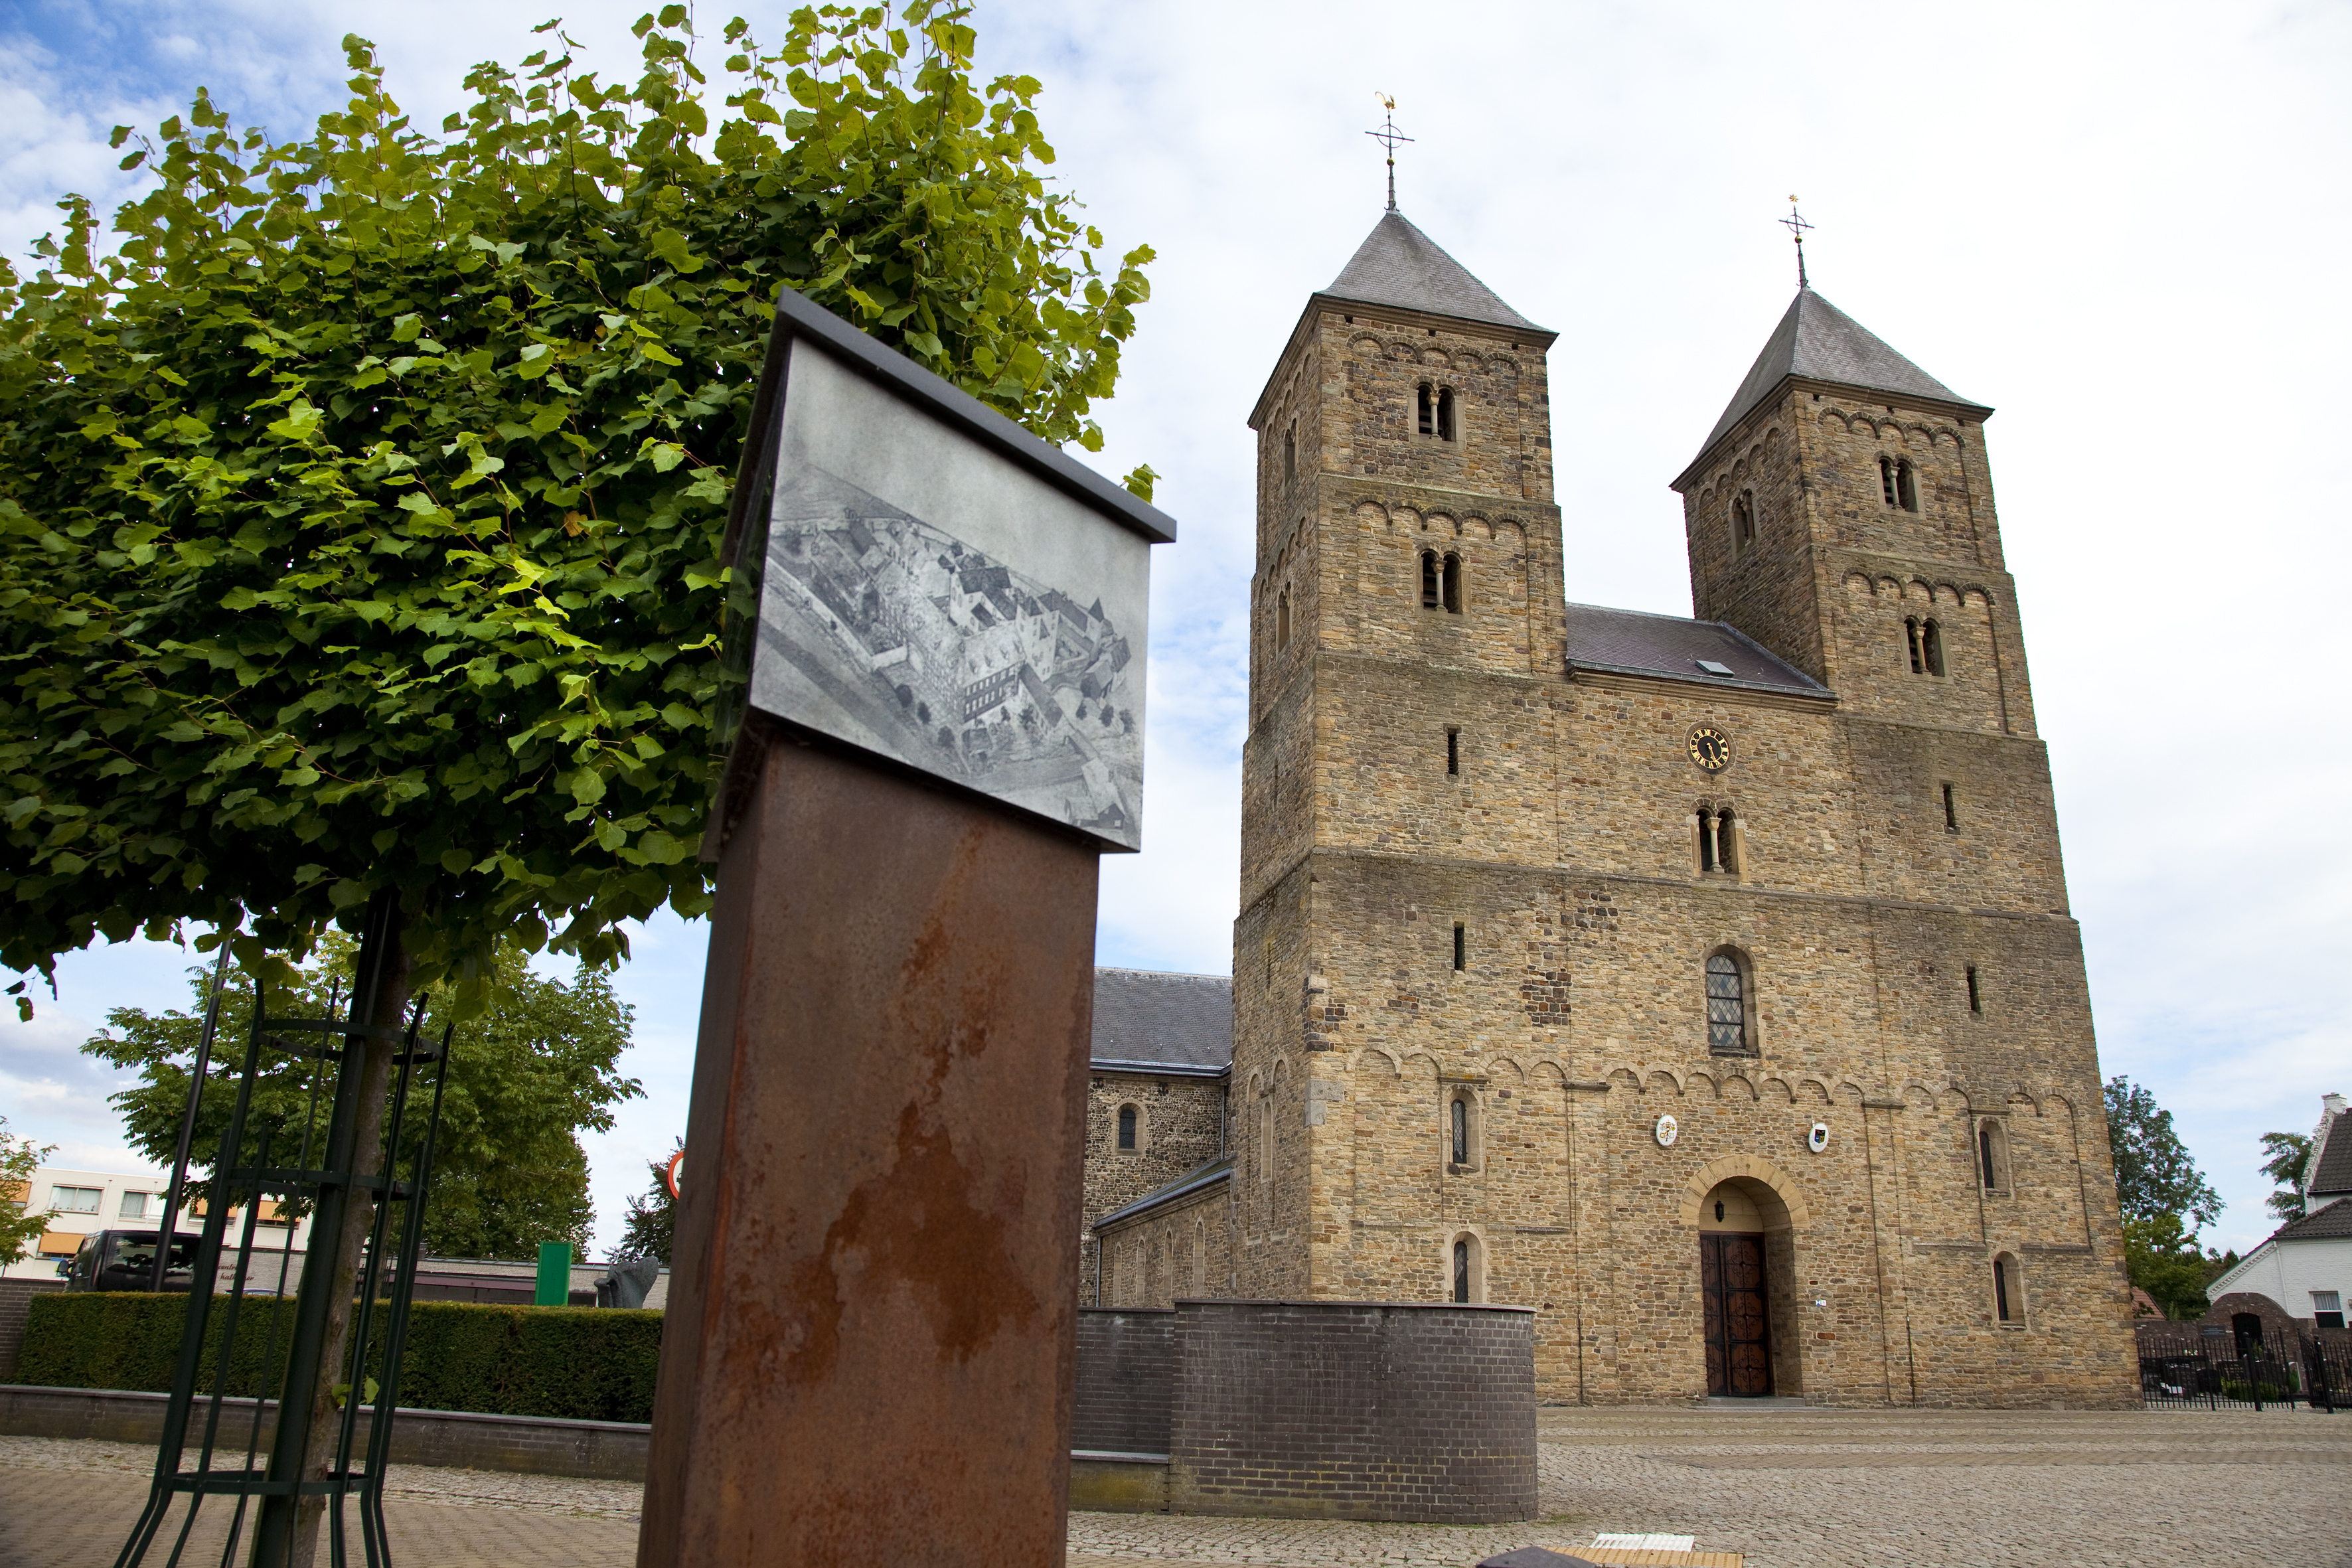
x=1790 y=1488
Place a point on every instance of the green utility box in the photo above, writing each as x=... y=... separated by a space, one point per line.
x=554 y=1274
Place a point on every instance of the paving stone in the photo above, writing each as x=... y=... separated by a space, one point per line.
x=1789 y=1489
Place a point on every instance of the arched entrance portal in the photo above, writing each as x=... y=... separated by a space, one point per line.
x=1747 y=1284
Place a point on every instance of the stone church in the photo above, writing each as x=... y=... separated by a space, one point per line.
x=1705 y=985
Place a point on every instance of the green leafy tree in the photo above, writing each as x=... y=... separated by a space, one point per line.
x=21 y=1220
x=360 y=506
x=528 y=1072
x=361 y=509
x=2155 y=1175
x=2288 y=1155
x=652 y=1218
x=2163 y=1260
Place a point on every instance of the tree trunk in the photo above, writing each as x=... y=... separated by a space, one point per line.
x=287 y=1534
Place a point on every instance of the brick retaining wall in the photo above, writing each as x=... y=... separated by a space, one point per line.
x=1354 y=1410
x=1127 y=1377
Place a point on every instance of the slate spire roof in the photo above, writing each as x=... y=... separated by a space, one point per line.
x=1398 y=265
x=1820 y=342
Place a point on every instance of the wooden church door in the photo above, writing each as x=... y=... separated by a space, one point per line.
x=1738 y=1340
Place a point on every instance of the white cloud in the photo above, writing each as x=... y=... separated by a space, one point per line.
x=2121 y=223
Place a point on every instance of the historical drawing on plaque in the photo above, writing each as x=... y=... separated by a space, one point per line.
x=936 y=651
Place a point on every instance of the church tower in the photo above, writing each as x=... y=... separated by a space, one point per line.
x=1405 y=615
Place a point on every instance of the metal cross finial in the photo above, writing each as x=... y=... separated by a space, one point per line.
x=1796 y=225
x=1387 y=137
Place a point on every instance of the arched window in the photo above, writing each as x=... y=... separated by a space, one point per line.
x=1465 y=1270
x=1127 y=1119
x=1992 y=1154
x=1265 y=1138
x=1290 y=452
x=1445 y=427
x=1886 y=480
x=1425 y=417
x=1727 y=842
x=1911 y=635
x=1743 y=523
x=1281 y=620
x=1726 y=1004
x=1906 y=488
x=1429 y=580
x=1450 y=583
x=1461 y=1130
x=1706 y=840
x=2008 y=1291
x=1931 y=646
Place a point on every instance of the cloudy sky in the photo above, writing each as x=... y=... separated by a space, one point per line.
x=2122 y=224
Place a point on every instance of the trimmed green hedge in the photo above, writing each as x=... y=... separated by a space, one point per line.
x=588 y=1364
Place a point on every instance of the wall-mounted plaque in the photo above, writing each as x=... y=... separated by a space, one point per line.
x=940 y=587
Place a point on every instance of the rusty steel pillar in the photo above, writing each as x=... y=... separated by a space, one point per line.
x=869 y=1350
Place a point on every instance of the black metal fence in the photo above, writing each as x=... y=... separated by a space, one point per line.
x=294 y=1149
x=2206 y=1367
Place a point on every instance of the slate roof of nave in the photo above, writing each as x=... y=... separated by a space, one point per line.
x=1820 y=342
x=1639 y=643
x=1398 y=265
x=1145 y=1018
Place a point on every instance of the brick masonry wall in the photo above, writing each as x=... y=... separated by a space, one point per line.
x=1353 y=1410
x=15 y=1302
x=1126 y=1379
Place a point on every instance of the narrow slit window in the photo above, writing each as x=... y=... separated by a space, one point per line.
x=1743 y=522
x=2004 y=1288
x=1429 y=600
x=1451 y=585
x=1425 y=420
x=1461 y=946
x=1462 y=1271
x=1126 y=1127
x=1931 y=646
x=1460 y=1119
x=1976 y=996
x=1911 y=635
x=1951 y=811
x=1454 y=753
x=1281 y=620
x=1992 y=1154
x=1290 y=453
x=1445 y=408
x=1886 y=480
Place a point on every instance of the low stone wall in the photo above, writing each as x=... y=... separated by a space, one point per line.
x=1354 y=1410
x=1127 y=1377
x=605 y=1450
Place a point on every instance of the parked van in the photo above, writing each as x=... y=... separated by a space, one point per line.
x=125 y=1260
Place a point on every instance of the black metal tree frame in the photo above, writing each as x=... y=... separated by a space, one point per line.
x=251 y=1167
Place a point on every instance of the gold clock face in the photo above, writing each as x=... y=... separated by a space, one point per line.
x=1710 y=748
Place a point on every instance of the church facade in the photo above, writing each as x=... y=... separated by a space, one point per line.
x=1707 y=984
